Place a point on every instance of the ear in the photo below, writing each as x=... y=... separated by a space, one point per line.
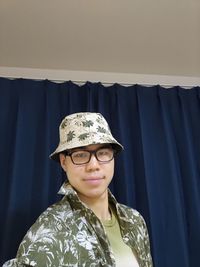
x=62 y=161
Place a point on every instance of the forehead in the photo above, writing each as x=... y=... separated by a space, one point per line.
x=91 y=147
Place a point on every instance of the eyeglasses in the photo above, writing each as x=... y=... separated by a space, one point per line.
x=102 y=154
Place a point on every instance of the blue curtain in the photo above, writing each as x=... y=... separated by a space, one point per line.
x=158 y=173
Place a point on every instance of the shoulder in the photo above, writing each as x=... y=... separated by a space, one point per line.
x=128 y=210
x=51 y=221
x=60 y=209
x=55 y=215
x=131 y=214
x=47 y=234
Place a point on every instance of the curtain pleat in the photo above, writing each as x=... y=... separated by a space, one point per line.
x=158 y=173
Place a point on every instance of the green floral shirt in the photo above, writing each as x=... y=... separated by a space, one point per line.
x=69 y=234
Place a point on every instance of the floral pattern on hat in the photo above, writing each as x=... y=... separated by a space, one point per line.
x=83 y=129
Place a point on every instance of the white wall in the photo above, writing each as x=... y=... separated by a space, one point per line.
x=159 y=37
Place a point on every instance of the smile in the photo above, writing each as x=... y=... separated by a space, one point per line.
x=94 y=181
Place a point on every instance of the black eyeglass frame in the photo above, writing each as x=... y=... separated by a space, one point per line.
x=92 y=152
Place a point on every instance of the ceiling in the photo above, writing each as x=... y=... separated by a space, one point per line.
x=130 y=36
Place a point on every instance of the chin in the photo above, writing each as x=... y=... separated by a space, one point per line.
x=93 y=194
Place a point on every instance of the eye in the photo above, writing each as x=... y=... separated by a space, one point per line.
x=103 y=152
x=80 y=154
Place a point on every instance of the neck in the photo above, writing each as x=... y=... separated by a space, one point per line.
x=99 y=206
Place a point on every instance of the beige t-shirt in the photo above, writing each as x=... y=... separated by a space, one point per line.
x=124 y=255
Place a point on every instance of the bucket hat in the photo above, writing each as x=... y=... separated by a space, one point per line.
x=83 y=129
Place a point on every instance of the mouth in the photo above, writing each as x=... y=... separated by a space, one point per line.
x=93 y=180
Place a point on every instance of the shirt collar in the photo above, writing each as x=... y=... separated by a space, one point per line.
x=67 y=190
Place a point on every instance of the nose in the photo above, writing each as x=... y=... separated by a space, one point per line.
x=93 y=164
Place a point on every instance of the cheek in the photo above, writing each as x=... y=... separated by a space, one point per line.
x=73 y=171
x=110 y=169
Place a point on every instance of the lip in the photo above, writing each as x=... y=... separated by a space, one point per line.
x=93 y=180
